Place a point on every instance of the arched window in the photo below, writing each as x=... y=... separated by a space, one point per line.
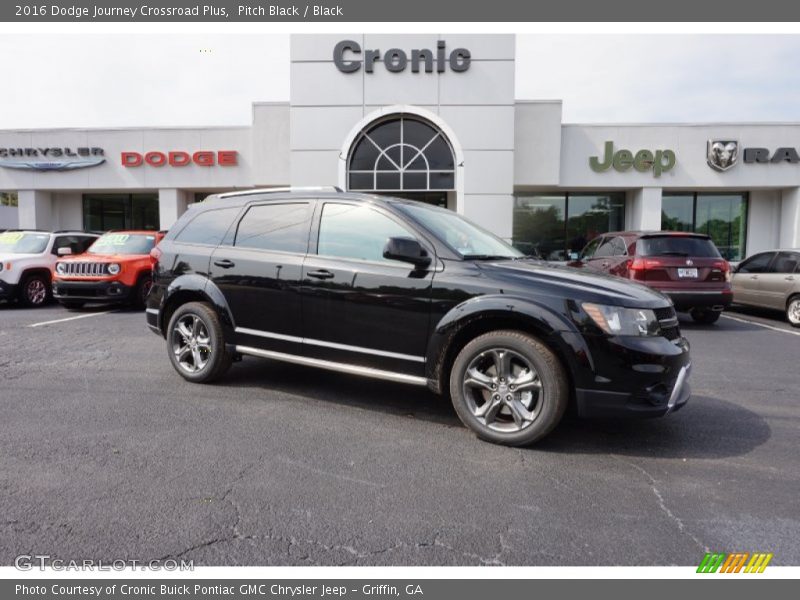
x=401 y=153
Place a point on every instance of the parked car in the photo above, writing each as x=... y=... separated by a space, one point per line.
x=27 y=258
x=116 y=268
x=408 y=292
x=770 y=280
x=687 y=267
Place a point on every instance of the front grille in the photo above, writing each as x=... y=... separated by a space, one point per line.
x=85 y=269
x=668 y=322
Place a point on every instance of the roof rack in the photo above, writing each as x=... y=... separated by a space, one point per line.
x=282 y=190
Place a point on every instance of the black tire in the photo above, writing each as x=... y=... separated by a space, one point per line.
x=35 y=290
x=139 y=297
x=72 y=303
x=793 y=310
x=548 y=402
x=208 y=364
x=705 y=316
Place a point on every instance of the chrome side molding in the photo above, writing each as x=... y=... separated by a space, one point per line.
x=333 y=366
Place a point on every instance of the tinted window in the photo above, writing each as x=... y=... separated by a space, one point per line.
x=677 y=246
x=208 y=227
x=756 y=264
x=281 y=227
x=352 y=231
x=591 y=248
x=604 y=249
x=786 y=262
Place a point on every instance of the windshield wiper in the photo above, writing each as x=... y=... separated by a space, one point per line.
x=487 y=257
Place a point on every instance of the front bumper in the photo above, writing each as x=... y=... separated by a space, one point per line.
x=635 y=377
x=91 y=291
x=8 y=291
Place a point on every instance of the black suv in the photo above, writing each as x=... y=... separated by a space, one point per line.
x=408 y=292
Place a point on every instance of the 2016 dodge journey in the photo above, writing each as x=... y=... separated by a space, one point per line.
x=408 y=292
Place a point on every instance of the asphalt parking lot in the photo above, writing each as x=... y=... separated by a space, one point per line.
x=106 y=453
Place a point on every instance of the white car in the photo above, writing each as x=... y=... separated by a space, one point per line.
x=27 y=258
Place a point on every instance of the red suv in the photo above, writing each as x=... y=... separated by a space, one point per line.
x=687 y=267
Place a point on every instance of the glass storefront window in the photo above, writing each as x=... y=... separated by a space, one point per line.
x=8 y=199
x=551 y=226
x=104 y=212
x=721 y=216
x=677 y=212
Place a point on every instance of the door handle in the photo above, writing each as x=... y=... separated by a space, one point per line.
x=753 y=276
x=224 y=263
x=320 y=274
x=789 y=278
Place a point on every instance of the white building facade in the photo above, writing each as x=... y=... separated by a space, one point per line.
x=433 y=118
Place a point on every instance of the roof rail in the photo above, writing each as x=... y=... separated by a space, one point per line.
x=282 y=190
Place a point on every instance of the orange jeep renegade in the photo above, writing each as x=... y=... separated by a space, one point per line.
x=116 y=268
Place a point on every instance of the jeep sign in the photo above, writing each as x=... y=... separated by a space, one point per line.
x=347 y=56
x=658 y=162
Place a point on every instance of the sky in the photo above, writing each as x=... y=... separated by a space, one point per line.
x=185 y=80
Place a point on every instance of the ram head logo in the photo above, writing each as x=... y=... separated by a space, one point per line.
x=722 y=154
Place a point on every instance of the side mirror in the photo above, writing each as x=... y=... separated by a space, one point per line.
x=406 y=250
x=64 y=251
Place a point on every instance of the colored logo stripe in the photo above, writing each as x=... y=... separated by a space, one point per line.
x=735 y=562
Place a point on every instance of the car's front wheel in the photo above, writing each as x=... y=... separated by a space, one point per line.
x=793 y=311
x=35 y=291
x=509 y=388
x=196 y=344
x=705 y=316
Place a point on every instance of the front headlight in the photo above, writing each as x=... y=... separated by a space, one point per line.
x=615 y=320
x=113 y=269
x=61 y=268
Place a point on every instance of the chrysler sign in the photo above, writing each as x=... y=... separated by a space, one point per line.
x=51 y=158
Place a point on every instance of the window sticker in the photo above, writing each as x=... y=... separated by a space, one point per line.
x=114 y=239
x=11 y=237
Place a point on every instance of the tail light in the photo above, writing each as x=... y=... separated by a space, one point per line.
x=637 y=267
x=725 y=267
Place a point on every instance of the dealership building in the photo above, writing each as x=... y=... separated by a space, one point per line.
x=433 y=118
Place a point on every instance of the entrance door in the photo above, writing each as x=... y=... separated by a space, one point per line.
x=358 y=307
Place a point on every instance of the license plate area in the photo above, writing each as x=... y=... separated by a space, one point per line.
x=687 y=273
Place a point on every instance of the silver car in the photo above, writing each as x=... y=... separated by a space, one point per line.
x=770 y=280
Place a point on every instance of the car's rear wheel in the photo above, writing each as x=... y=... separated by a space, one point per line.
x=509 y=388
x=35 y=291
x=196 y=344
x=793 y=311
x=705 y=316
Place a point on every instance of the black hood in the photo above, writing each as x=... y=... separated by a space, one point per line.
x=537 y=277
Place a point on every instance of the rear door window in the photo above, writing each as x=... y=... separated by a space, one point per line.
x=675 y=245
x=785 y=262
x=276 y=227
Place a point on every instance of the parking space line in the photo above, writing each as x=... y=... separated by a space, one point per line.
x=97 y=314
x=764 y=325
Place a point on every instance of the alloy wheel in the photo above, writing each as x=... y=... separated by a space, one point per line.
x=191 y=343
x=503 y=390
x=793 y=312
x=36 y=291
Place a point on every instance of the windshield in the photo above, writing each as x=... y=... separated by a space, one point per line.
x=467 y=239
x=124 y=243
x=675 y=245
x=20 y=242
